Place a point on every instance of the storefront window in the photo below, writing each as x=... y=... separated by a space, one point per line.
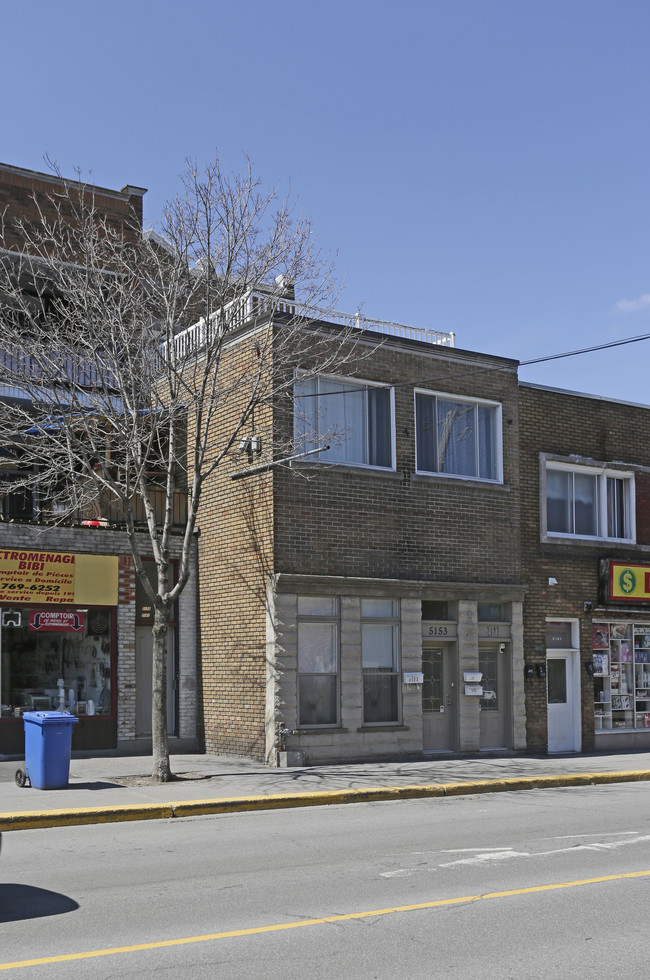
x=621 y=671
x=318 y=660
x=55 y=659
x=380 y=660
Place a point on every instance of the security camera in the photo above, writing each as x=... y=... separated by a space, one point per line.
x=502 y=648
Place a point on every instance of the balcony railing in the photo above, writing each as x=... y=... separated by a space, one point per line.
x=257 y=303
x=20 y=507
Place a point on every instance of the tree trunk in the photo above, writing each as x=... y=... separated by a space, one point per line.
x=161 y=770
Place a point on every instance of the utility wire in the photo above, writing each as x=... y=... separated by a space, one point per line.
x=421 y=381
x=586 y=350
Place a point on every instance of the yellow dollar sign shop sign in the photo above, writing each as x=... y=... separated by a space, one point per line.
x=631 y=582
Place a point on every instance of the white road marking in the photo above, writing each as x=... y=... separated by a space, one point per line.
x=480 y=855
x=504 y=853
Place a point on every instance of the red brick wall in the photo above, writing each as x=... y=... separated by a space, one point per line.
x=19 y=187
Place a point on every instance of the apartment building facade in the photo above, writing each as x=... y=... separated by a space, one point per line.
x=366 y=600
x=585 y=477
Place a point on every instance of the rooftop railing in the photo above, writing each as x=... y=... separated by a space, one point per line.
x=257 y=303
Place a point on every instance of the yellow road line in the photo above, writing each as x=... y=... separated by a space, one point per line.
x=281 y=927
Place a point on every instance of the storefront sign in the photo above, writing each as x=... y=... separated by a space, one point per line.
x=57 y=621
x=629 y=582
x=57 y=578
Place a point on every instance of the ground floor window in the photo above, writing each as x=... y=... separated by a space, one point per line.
x=621 y=669
x=318 y=661
x=380 y=660
x=56 y=659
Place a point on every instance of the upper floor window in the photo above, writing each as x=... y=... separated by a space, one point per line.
x=587 y=502
x=458 y=436
x=355 y=420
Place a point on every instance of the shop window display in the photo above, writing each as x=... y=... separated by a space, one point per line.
x=55 y=660
x=621 y=668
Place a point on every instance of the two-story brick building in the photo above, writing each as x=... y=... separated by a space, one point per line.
x=585 y=492
x=353 y=599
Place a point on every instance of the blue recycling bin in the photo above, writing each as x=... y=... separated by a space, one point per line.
x=48 y=737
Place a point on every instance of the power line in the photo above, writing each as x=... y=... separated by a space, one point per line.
x=586 y=350
x=430 y=380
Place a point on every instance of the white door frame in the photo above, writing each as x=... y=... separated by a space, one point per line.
x=572 y=658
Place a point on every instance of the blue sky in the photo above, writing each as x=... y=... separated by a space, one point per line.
x=480 y=166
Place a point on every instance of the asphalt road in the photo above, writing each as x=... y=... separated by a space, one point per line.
x=529 y=884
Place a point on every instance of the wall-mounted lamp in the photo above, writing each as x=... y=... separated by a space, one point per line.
x=250 y=444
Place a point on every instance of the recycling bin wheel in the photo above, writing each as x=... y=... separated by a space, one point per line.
x=21 y=777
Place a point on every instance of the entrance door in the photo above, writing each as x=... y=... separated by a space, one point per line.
x=439 y=699
x=143 y=675
x=563 y=707
x=495 y=703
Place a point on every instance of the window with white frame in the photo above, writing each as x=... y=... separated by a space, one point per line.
x=354 y=419
x=589 y=502
x=318 y=661
x=458 y=436
x=380 y=660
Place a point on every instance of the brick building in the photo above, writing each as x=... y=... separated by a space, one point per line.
x=585 y=497
x=351 y=601
x=26 y=195
x=87 y=644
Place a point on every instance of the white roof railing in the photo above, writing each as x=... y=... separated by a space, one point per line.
x=259 y=303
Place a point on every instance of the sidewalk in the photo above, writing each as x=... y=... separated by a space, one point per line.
x=106 y=789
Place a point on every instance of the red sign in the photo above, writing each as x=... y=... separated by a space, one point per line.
x=57 y=621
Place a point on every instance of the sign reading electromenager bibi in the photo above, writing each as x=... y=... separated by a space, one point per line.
x=629 y=582
x=58 y=578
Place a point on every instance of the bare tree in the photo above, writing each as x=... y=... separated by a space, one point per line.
x=118 y=348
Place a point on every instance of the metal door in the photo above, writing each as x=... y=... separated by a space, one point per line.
x=439 y=699
x=143 y=672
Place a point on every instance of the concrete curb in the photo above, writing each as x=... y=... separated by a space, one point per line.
x=39 y=819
